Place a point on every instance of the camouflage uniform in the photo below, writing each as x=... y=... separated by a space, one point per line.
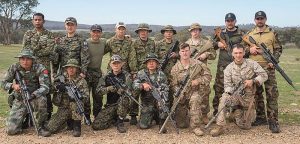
x=42 y=44
x=225 y=58
x=268 y=37
x=37 y=82
x=67 y=108
x=189 y=110
x=117 y=106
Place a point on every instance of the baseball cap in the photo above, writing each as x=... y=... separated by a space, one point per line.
x=71 y=20
x=120 y=24
x=96 y=27
x=260 y=14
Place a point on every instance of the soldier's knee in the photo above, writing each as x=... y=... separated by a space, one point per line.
x=143 y=125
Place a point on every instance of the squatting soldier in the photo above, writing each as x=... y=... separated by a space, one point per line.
x=139 y=50
x=96 y=48
x=262 y=33
x=244 y=73
x=117 y=105
x=67 y=111
x=146 y=81
x=120 y=44
x=41 y=42
x=197 y=44
x=234 y=35
x=37 y=81
x=189 y=111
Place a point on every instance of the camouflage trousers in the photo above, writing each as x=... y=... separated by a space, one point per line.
x=271 y=98
x=97 y=99
x=242 y=114
x=19 y=111
x=189 y=112
x=218 y=88
x=63 y=114
x=134 y=107
x=110 y=113
x=149 y=113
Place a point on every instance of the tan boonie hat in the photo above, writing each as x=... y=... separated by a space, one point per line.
x=71 y=20
x=72 y=63
x=26 y=53
x=116 y=58
x=120 y=24
x=143 y=26
x=168 y=28
x=195 y=26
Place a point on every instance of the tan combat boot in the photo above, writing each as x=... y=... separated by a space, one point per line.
x=217 y=131
x=198 y=132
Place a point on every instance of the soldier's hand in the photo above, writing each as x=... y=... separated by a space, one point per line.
x=146 y=86
x=270 y=65
x=16 y=87
x=111 y=89
x=202 y=57
x=31 y=97
x=61 y=87
x=248 y=83
x=173 y=55
x=82 y=75
x=195 y=83
x=221 y=45
x=120 y=91
x=253 y=50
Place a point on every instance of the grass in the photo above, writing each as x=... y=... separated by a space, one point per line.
x=289 y=100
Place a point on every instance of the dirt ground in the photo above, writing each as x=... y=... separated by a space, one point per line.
x=290 y=134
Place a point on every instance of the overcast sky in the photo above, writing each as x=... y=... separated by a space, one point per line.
x=176 y=12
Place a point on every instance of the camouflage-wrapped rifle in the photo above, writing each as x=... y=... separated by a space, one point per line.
x=167 y=56
x=224 y=39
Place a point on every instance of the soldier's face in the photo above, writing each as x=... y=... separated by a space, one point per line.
x=260 y=21
x=143 y=34
x=195 y=33
x=38 y=21
x=121 y=31
x=71 y=71
x=168 y=34
x=25 y=63
x=151 y=64
x=230 y=24
x=185 y=53
x=95 y=35
x=70 y=28
x=238 y=55
x=116 y=66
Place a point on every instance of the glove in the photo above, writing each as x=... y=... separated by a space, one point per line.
x=120 y=91
x=111 y=89
x=61 y=87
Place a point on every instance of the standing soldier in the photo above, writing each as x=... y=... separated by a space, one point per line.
x=41 y=42
x=147 y=80
x=139 y=50
x=67 y=108
x=262 y=33
x=188 y=111
x=117 y=104
x=234 y=36
x=35 y=77
x=202 y=50
x=96 y=48
x=120 y=45
x=241 y=78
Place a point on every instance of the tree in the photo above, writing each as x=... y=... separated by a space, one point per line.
x=13 y=14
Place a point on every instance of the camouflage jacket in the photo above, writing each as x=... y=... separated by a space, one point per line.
x=73 y=48
x=42 y=45
x=160 y=80
x=113 y=97
x=37 y=79
x=202 y=75
x=140 y=49
x=248 y=70
x=122 y=48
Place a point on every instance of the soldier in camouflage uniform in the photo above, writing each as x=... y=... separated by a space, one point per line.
x=120 y=44
x=117 y=105
x=67 y=109
x=151 y=110
x=251 y=74
x=37 y=81
x=234 y=34
x=189 y=110
x=96 y=48
x=197 y=43
x=139 y=50
x=262 y=33
x=41 y=42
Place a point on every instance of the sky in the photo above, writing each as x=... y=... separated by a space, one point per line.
x=280 y=13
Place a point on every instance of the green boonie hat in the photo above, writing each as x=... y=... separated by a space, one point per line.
x=168 y=28
x=230 y=16
x=26 y=53
x=72 y=63
x=151 y=56
x=116 y=58
x=71 y=20
x=195 y=26
x=143 y=26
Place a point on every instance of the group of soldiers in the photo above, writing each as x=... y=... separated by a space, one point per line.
x=136 y=84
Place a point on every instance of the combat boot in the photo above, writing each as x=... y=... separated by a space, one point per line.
x=88 y=118
x=120 y=126
x=198 y=132
x=205 y=119
x=274 y=127
x=44 y=132
x=77 y=128
x=217 y=131
x=70 y=124
x=260 y=121
x=133 y=120
x=161 y=122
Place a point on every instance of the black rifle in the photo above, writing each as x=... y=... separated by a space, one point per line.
x=75 y=94
x=126 y=91
x=25 y=96
x=161 y=97
x=167 y=56
x=271 y=59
